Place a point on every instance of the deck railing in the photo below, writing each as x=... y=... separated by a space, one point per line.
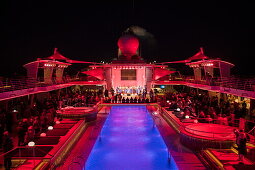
x=247 y=84
x=27 y=82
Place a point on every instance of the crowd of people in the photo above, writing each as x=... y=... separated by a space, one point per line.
x=141 y=97
x=206 y=109
x=29 y=120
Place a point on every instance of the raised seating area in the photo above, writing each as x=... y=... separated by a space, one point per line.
x=200 y=135
x=50 y=150
x=225 y=159
x=89 y=113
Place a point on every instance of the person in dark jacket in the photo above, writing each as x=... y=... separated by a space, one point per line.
x=21 y=134
x=241 y=141
x=7 y=146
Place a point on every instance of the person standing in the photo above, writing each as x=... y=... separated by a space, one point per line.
x=241 y=141
x=21 y=134
x=7 y=146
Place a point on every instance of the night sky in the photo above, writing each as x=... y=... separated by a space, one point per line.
x=89 y=30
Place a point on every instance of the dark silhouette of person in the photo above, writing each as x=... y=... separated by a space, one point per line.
x=139 y=100
x=131 y=100
x=135 y=100
x=7 y=146
x=21 y=134
x=123 y=100
x=242 y=150
x=106 y=93
x=147 y=100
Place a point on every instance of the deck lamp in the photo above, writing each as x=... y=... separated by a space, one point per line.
x=50 y=128
x=43 y=134
x=155 y=113
x=31 y=144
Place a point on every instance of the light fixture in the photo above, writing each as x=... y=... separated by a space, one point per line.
x=43 y=134
x=187 y=116
x=178 y=109
x=50 y=128
x=31 y=144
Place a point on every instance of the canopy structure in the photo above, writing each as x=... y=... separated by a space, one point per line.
x=57 y=56
x=198 y=56
x=98 y=73
x=159 y=72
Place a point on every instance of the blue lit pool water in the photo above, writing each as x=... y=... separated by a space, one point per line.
x=129 y=141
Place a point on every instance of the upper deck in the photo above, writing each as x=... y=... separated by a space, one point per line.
x=13 y=88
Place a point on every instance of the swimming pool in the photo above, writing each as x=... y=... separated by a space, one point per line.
x=129 y=141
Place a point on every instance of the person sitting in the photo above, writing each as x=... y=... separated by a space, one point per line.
x=30 y=134
x=220 y=119
x=201 y=117
x=208 y=119
x=173 y=106
x=180 y=114
x=224 y=120
x=127 y=100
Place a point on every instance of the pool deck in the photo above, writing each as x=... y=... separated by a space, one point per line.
x=184 y=157
x=80 y=153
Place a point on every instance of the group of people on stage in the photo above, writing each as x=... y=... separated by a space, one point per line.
x=120 y=99
x=130 y=90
